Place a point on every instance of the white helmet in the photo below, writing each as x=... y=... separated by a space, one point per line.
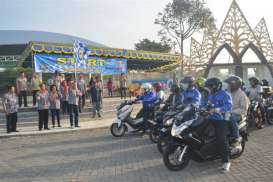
x=147 y=87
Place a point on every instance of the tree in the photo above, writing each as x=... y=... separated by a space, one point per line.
x=148 y=45
x=180 y=19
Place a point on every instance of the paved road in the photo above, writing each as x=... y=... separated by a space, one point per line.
x=97 y=156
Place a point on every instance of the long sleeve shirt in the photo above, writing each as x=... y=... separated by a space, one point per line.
x=192 y=96
x=43 y=100
x=148 y=99
x=10 y=103
x=240 y=103
x=82 y=86
x=73 y=96
x=221 y=101
x=54 y=100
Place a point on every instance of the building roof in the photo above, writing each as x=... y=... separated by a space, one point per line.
x=25 y=36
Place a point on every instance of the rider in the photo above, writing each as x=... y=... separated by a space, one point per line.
x=190 y=93
x=175 y=98
x=148 y=99
x=219 y=104
x=255 y=94
x=200 y=83
x=240 y=104
x=159 y=92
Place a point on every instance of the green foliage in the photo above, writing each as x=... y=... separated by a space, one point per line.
x=181 y=18
x=148 y=45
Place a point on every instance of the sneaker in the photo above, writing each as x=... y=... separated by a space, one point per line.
x=59 y=126
x=77 y=126
x=226 y=167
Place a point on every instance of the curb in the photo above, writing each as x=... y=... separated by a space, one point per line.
x=42 y=133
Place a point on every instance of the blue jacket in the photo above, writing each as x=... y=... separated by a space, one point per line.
x=191 y=97
x=148 y=99
x=221 y=101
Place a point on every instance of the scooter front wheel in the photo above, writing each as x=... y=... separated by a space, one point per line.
x=176 y=158
x=118 y=131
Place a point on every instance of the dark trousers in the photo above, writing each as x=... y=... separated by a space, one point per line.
x=74 y=113
x=22 y=94
x=64 y=105
x=81 y=102
x=221 y=131
x=146 y=113
x=34 y=92
x=123 y=92
x=43 y=119
x=11 y=122
x=110 y=92
x=55 y=113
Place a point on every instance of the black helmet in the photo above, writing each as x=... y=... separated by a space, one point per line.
x=234 y=80
x=188 y=79
x=214 y=83
x=254 y=79
x=265 y=82
x=175 y=88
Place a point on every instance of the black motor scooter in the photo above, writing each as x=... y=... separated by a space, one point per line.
x=193 y=138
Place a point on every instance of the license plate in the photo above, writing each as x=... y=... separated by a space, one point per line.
x=163 y=130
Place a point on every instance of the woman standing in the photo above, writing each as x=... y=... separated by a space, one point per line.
x=10 y=108
x=55 y=105
x=35 y=87
x=43 y=104
x=64 y=97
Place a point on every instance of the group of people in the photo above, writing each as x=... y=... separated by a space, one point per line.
x=58 y=95
x=226 y=100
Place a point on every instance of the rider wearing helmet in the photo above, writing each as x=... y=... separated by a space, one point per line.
x=200 y=82
x=148 y=99
x=175 y=98
x=240 y=104
x=190 y=93
x=219 y=104
x=255 y=93
x=159 y=92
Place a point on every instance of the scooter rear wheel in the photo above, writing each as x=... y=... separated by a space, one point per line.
x=117 y=131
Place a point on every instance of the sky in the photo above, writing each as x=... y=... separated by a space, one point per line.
x=115 y=23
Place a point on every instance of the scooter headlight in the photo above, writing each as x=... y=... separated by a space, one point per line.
x=168 y=122
x=177 y=130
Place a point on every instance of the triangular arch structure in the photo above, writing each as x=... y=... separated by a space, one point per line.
x=264 y=40
x=235 y=30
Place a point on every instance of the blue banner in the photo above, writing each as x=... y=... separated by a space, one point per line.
x=45 y=63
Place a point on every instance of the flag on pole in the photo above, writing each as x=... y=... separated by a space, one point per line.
x=80 y=54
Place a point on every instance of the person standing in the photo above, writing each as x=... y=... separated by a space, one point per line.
x=96 y=98
x=43 y=105
x=35 y=87
x=55 y=105
x=57 y=80
x=22 y=85
x=73 y=101
x=123 y=85
x=64 y=97
x=110 y=87
x=82 y=87
x=10 y=109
